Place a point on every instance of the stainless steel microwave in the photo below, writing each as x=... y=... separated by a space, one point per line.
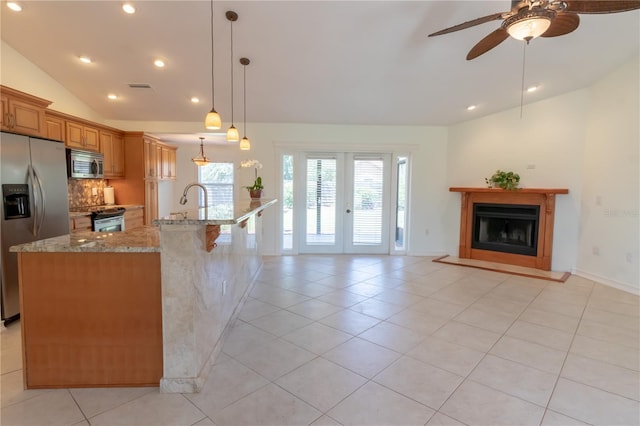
x=84 y=164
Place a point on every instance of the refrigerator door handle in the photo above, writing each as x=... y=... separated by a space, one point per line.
x=42 y=202
x=32 y=179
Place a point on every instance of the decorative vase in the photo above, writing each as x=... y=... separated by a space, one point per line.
x=255 y=194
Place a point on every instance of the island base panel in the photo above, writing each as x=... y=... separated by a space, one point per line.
x=91 y=319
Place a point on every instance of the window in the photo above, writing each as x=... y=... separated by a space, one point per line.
x=218 y=179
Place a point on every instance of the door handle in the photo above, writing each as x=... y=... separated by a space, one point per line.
x=43 y=211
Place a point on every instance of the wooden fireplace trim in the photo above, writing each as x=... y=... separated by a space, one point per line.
x=543 y=197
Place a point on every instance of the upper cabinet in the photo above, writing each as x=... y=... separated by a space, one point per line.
x=23 y=113
x=159 y=159
x=82 y=136
x=55 y=126
x=112 y=147
x=168 y=162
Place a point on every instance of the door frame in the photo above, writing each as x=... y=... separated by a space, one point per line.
x=395 y=150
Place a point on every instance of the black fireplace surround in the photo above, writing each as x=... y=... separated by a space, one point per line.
x=507 y=228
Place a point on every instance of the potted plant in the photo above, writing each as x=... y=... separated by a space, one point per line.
x=255 y=190
x=504 y=180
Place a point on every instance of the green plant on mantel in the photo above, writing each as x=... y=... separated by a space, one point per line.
x=504 y=180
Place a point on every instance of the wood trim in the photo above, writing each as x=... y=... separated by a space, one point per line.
x=26 y=97
x=544 y=198
x=212 y=234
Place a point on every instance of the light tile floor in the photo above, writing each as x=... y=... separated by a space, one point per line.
x=378 y=340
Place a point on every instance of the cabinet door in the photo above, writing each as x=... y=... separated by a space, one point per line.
x=55 y=128
x=75 y=136
x=166 y=172
x=118 y=155
x=133 y=219
x=106 y=148
x=91 y=139
x=150 y=158
x=27 y=119
x=6 y=118
x=172 y=163
x=159 y=161
x=151 y=202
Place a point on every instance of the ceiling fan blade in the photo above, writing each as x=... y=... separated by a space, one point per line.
x=563 y=23
x=488 y=43
x=606 y=6
x=468 y=24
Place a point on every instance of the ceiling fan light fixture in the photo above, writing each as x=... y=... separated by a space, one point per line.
x=529 y=25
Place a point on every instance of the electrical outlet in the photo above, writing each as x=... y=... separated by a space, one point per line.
x=598 y=200
x=629 y=257
x=531 y=166
x=224 y=287
x=94 y=191
x=596 y=250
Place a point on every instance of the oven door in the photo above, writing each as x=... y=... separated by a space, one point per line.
x=109 y=224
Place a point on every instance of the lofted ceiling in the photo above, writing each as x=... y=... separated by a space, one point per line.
x=330 y=62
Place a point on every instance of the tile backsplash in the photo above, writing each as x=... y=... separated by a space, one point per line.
x=80 y=192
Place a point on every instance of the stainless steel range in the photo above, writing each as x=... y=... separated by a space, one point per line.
x=108 y=220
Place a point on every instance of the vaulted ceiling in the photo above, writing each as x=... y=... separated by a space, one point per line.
x=340 y=62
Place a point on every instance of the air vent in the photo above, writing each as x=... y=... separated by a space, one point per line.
x=139 y=86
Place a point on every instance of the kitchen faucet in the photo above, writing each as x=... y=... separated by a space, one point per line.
x=183 y=199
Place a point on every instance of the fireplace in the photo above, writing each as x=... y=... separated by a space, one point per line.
x=512 y=227
x=507 y=228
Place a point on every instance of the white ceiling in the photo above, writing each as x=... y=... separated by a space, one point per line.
x=334 y=62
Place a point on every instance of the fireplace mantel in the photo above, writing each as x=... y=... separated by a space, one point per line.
x=543 y=197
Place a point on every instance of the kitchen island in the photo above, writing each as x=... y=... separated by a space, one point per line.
x=145 y=307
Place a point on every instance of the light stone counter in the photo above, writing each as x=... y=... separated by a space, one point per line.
x=145 y=239
x=204 y=285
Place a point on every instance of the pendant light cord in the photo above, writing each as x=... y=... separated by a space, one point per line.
x=212 y=75
x=244 y=89
x=524 y=56
x=231 y=60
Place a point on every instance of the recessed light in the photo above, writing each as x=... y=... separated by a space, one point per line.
x=112 y=96
x=14 y=6
x=471 y=107
x=532 y=89
x=195 y=100
x=85 y=59
x=128 y=8
x=158 y=63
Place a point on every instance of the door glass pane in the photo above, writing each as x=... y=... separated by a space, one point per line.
x=287 y=202
x=368 y=180
x=321 y=201
x=401 y=203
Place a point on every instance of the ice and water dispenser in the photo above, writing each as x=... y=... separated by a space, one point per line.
x=15 y=198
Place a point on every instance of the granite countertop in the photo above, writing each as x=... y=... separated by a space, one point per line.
x=218 y=214
x=87 y=211
x=139 y=240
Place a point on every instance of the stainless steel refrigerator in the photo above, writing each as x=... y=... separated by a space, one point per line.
x=35 y=205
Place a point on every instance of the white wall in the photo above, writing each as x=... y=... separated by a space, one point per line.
x=610 y=216
x=20 y=74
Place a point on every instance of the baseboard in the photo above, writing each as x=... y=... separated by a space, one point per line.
x=608 y=282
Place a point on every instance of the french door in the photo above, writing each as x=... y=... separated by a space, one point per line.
x=346 y=203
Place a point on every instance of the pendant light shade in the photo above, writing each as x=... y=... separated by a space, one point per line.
x=201 y=160
x=245 y=145
x=232 y=134
x=212 y=120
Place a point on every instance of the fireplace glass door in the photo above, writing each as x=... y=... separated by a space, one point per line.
x=507 y=228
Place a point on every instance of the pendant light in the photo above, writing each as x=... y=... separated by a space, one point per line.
x=245 y=145
x=232 y=134
x=213 y=120
x=201 y=160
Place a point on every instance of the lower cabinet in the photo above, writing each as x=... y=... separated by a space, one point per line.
x=133 y=219
x=80 y=223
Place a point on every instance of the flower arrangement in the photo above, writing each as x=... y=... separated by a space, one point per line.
x=255 y=190
x=504 y=180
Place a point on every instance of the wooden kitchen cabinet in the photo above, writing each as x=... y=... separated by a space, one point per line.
x=23 y=113
x=55 y=126
x=143 y=173
x=82 y=136
x=133 y=218
x=168 y=162
x=80 y=223
x=112 y=147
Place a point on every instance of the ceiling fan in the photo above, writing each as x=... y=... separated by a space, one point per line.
x=529 y=19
